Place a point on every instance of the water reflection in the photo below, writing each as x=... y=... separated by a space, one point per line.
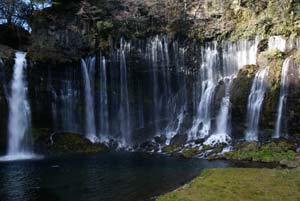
x=18 y=182
x=107 y=177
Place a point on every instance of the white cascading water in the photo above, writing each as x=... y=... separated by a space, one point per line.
x=170 y=131
x=103 y=117
x=208 y=75
x=157 y=54
x=222 y=133
x=65 y=97
x=176 y=104
x=154 y=60
x=141 y=121
x=235 y=56
x=277 y=43
x=124 y=110
x=255 y=101
x=282 y=98
x=88 y=66
x=238 y=54
x=19 y=139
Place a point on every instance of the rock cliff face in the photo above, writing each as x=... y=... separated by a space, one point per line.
x=69 y=30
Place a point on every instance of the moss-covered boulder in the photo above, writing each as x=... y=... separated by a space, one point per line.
x=64 y=143
x=171 y=149
x=74 y=143
x=190 y=152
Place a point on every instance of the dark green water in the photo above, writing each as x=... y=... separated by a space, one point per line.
x=105 y=177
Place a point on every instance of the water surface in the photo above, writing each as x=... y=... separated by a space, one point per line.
x=103 y=177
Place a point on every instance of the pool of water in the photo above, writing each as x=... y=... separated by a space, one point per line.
x=103 y=177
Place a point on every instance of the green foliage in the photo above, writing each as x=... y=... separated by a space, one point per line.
x=275 y=54
x=297 y=56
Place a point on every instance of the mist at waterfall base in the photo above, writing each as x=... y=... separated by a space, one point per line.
x=106 y=177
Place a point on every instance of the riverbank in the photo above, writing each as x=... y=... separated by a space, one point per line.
x=240 y=184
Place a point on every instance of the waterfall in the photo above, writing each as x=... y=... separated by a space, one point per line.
x=141 y=121
x=238 y=54
x=255 y=101
x=234 y=57
x=277 y=43
x=64 y=102
x=88 y=66
x=67 y=111
x=282 y=97
x=208 y=74
x=222 y=133
x=103 y=117
x=222 y=118
x=124 y=111
x=157 y=54
x=170 y=130
x=152 y=54
x=19 y=121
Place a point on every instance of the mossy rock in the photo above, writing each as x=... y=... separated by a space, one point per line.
x=171 y=149
x=248 y=146
x=190 y=152
x=160 y=139
x=179 y=139
x=206 y=147
x=64 y=142
x=74 y=143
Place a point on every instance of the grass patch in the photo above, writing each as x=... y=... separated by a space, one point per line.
x=240 y=184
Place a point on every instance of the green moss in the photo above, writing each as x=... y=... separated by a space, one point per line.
x=248 y=146
x=297 y=56
x=275 y=54
x=39 y=133
x=206 y=147
x=218 y=149
x=171 y=149
x=190 y=152
x=64 y=142
x=274 y=152
x=74 y=143
x=239 y=184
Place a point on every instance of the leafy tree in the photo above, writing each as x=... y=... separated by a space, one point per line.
x=17 y=12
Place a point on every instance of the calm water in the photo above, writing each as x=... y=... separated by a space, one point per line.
x=106 y=177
